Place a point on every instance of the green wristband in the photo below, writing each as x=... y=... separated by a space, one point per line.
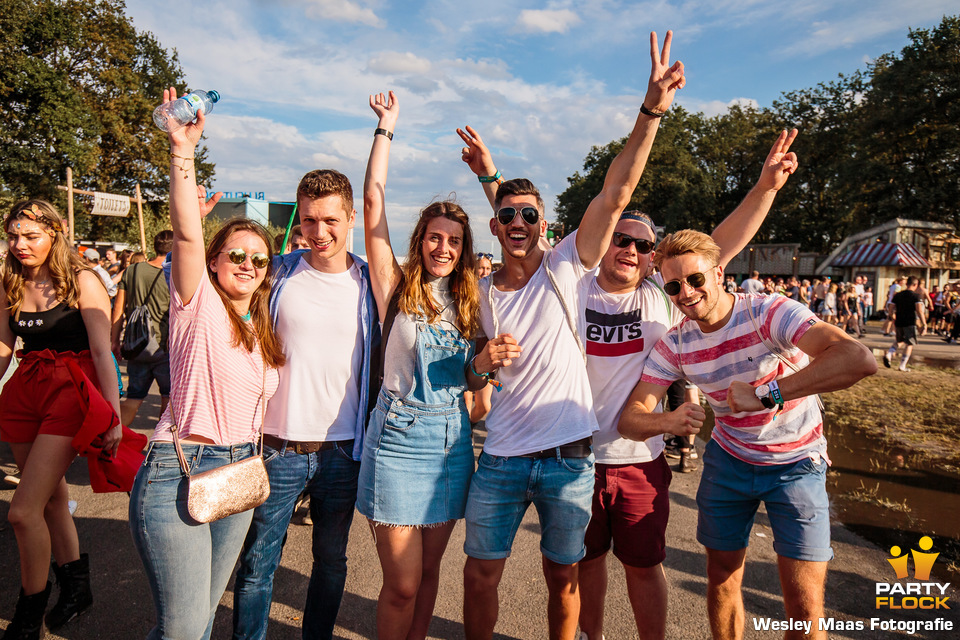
x=492 y=178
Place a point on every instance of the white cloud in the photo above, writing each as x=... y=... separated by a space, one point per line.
x=342 y=11
x=712 y=108
x=392 y=62
x=547 y=20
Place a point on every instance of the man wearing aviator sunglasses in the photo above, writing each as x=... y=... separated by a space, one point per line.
x=539 y=427
x=751 y=356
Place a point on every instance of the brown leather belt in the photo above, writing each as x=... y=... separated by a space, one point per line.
x=303 y=448
x=578 y=449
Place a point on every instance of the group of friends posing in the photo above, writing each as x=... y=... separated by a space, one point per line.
x=356 y=372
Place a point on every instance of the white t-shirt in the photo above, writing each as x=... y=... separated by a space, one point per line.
x=545 y=401
x=622 y=330
x=318 y=319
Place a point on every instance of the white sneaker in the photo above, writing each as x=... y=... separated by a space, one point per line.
x=583 y=636
x=72 y=506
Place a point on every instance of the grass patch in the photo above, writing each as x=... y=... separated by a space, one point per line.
x=916 y=410
x=871 y=495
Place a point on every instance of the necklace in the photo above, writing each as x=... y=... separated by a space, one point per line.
x=246 y=317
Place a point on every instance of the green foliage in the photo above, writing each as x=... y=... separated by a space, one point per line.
x=78 y=85
x=873 y=146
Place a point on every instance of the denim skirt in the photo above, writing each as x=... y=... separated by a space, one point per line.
x=417 y=462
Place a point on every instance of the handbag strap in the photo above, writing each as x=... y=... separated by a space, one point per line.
x=174 y=428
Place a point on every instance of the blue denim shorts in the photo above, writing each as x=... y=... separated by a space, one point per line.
x=503 y=487
x=142 y=374
x=794 y=494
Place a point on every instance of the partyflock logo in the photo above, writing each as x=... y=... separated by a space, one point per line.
x=923 y=594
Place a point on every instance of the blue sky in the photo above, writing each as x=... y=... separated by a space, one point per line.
x=541 y=81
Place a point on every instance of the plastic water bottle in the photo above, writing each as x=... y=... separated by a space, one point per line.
x=170 y=116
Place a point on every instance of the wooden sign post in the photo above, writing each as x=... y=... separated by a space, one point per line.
x=106 y=204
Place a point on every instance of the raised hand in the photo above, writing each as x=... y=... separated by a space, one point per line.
x=665 y=79
x=387 y=109
x=206 y=206
x=476 y=154
x=188 y=136
x=780 y=162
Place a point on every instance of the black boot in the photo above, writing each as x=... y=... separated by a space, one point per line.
x=73 y=579
x=27 y=623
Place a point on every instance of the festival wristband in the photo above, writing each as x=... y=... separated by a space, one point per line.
x=486 y=376
x=380 y=131
x=497 y=177
x=650 y=112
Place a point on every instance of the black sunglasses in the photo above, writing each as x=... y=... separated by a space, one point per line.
x=694 y=280
x=237 y=256
x=623 y=241
x=507 y=214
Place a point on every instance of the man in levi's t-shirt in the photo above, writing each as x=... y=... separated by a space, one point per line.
x=625 y=315
x=767 y=444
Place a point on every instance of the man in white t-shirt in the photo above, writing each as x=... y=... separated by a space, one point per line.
x=540 y=424
x=767 y=444
x=324 y=312
x=625 y=316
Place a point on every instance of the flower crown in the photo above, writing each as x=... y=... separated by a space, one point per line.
x=34 y=213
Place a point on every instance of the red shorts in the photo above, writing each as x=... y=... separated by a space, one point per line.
x=41 y=397
x=631 y=505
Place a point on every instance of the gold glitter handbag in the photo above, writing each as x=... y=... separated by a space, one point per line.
x=230 y=489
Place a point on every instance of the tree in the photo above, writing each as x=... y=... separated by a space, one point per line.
x=78 y=84
x=911 y=144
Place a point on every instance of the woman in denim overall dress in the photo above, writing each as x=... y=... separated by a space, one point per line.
x=418 y=455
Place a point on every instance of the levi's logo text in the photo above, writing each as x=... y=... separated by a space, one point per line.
x=612 y=335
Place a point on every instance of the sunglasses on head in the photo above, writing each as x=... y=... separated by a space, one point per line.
x=529 y=214
x=237 y=256
x=694 y=280
x=623 y=241
x=488 y=256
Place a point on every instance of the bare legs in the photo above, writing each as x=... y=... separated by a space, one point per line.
x=646 y=588
x=802 y=583
x=481 y=607
x=410 y=558
x=39 y=513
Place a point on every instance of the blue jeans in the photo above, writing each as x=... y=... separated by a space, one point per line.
x=504 y=487
x=188 y=564
x=330 y=477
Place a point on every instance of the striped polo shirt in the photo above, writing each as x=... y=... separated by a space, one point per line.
x=736 y=352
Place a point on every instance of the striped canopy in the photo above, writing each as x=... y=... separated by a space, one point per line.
x=882 y=254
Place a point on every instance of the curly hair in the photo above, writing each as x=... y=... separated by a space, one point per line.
x=63 y=263
x=415 y=298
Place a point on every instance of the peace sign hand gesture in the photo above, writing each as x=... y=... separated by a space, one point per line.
x=780 y=163
x=664 y=78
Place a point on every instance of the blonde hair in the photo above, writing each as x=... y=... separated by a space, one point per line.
x=687 y=241
x=415 y=298
x=63 y=263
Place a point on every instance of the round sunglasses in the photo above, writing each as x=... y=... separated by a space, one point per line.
x=529 y=214
x=623 y=241
x=237 y=256
x=694 y=280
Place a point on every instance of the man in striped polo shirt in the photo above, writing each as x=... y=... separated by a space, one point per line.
x=768 y=444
